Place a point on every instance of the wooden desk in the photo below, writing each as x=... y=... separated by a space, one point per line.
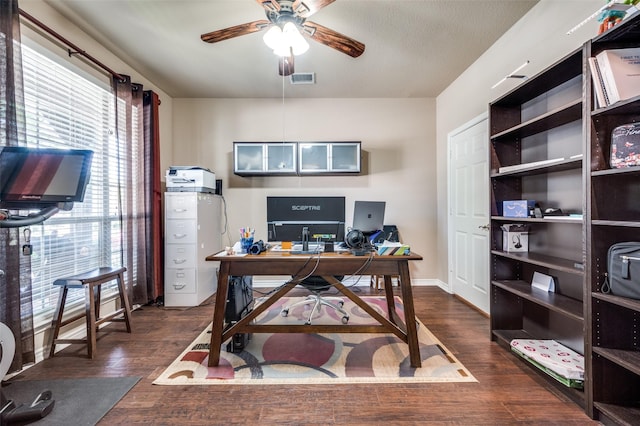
x=329 y=265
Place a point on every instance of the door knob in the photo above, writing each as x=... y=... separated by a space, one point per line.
x=485 y=227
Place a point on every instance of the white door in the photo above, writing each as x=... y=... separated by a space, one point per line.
x=469 y=212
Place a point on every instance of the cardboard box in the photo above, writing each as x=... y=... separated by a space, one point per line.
x=515 y=237
x=517 y=208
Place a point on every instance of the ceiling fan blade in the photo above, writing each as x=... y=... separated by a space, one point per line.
x=270 y=5
x=285 y=65
x=306 y=8
x=333 y=39
x=238 y=30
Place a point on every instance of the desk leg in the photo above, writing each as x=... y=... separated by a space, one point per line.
x=217 y=327
x=409 y=315
x=391 y=303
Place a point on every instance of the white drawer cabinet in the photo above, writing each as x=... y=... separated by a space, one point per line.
x=192 y=232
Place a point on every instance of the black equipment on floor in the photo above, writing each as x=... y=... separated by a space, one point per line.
x=239 y=304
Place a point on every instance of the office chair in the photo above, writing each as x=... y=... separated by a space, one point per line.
x=318 y=285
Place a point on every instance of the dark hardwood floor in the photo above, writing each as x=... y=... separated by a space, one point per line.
x=507 y=392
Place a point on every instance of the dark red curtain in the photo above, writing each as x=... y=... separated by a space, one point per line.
x=137 y=135
x=154 y=191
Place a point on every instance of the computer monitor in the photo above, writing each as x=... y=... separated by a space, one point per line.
x=322 y=216
x=39 y=177
x=368 y=216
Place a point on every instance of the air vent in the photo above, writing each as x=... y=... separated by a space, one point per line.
x=303 y=78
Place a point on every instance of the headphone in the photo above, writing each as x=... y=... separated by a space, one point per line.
x=355 y=239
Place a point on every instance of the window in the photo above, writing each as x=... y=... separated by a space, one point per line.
x=65 y=110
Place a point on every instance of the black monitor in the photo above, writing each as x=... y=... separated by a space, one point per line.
x=39 y=177
x=322 y=216
x=368 y=216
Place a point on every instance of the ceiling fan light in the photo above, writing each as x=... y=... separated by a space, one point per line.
x=293 y=38
x=273 y=38
x=298 y=44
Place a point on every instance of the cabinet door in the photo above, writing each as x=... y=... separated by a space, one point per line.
x=248 y=158
x=281 y=157
x=314 y=157
x=345 y=157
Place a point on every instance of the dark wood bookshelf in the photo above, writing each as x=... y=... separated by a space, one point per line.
x=601 y=326
x=612 y=215
x=518 y=134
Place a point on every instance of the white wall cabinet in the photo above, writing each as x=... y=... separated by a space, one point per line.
x=192 y=232
x=296 y=158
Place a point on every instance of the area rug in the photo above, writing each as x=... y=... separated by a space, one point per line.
x=78 y=402
x=298 y=358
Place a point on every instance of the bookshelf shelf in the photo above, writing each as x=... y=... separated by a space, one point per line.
x=543 y=260
x=533 y=169
x=547 y=219
x=572 y=111
x=566 y=306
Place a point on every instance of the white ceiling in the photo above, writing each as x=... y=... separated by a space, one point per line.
x=414 y=48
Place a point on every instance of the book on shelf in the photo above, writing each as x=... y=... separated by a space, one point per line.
x=620 y=70
x=598 y=83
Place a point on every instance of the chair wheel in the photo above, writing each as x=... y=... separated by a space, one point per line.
x=341 y=303
x=284 y=312
x=345 y=319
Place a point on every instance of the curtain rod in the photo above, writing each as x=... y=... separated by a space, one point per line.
x=77 y=50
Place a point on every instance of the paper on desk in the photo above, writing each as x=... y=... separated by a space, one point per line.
x=234 y=254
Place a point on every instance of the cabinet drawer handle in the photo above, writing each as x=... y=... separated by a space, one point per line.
x=179 y=210
x=179 y=261
x=179 y=286
x=179 y=235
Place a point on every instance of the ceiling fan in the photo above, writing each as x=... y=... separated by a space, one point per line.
x=279 y=14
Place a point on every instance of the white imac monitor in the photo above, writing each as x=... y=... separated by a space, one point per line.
x=368 y=216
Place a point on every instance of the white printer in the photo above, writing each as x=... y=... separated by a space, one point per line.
x=190 y=179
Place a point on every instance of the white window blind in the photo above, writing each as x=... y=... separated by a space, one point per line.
x=66 y=110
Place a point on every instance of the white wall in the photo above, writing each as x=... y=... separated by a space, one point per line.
x=398 y=144
x=540 y=37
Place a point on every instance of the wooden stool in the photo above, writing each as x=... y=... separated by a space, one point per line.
x=90 y=280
